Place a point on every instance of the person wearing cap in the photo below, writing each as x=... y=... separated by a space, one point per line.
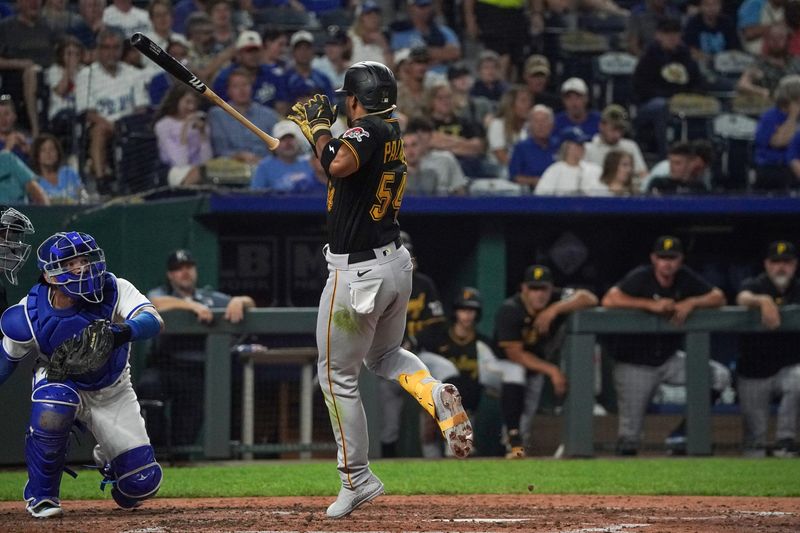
x=412 y=66
x=490 y=82
x=302 y=80
x=667 y=288
x=614 y=124
x=421 y=29
x=576 y=113
x=230 y=138
x=366 y=35
x=769 y=364
x=336 y=58
x=525 y=333
x=571 y=175
x=430 y=172
x=285 y=170
x=683 y=177
x=177 y=366
x=269 y=85
x=537 y=75
x=532 y=156
x=665 y=69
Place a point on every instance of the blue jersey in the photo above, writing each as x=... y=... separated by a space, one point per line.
x=269 y=85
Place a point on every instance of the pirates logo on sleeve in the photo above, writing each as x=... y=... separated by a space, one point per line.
x=356 y=133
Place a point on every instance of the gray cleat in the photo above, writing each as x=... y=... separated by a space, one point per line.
x=453 y=420
x=44 y=508
x=351 y=499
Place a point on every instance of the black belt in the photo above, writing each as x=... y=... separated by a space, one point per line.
x=369 y=255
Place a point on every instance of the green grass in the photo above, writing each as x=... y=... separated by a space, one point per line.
x=712 y=476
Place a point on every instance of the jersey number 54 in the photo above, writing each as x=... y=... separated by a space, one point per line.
x=389 y=192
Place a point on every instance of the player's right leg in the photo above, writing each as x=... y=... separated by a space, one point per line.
x=635 y=386
x=53 y=410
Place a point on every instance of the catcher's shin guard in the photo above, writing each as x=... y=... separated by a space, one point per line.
x=137 y=476
x=47 y=440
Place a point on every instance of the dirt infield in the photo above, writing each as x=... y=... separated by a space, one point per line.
x=425 y=514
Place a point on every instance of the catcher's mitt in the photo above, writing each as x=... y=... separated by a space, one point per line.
x=82 y=354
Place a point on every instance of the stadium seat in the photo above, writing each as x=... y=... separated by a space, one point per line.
x=734 y=134
x=613 y=72
x=136 y=163
x=694 y=112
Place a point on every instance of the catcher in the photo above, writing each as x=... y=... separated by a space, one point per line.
x=79 y=321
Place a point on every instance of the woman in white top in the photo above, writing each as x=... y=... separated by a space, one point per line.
x=617 y=176
x=510 y=126
x=571 y=176
x=366 y=35
x=60 y=78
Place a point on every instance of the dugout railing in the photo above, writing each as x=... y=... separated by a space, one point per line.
x=583 y=329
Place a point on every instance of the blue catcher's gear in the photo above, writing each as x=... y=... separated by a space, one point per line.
x=47 y=440
x=75 y=263
x=135 y=476
x=14 y=226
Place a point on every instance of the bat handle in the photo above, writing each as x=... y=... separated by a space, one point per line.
x=268 y=139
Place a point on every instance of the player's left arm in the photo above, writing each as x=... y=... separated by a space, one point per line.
x=135 y=317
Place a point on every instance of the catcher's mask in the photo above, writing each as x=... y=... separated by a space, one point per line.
x=85 y=281
x=14 y=226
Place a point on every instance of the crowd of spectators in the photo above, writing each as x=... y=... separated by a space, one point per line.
x=511 y=89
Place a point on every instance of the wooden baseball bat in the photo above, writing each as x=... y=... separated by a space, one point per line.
x=183 y=74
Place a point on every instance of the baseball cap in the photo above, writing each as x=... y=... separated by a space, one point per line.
x=336 y=35
x=178 y=258
x=668 y=246
x=781 y=251
x=615 y=115
x=574 y=85
x=301 y=36
x=419 y=54
x=537 y=276
x=572 y=134
x=367 y=6
x=248 y=39
x=401 y=55
x=283 y=128
x=537 y=64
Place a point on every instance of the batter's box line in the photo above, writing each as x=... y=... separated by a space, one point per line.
x=613 y=528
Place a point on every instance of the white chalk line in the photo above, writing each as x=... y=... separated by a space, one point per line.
x=612 y=528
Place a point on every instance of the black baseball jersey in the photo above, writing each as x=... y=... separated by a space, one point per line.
x=512 y=323
x=762 y=355
x=363 y=207
x=424 y=306
x=654 y=350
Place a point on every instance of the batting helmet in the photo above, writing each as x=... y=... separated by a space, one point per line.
x=13 y=250
x=373 y=84
x=469 y=298
x=83 y=280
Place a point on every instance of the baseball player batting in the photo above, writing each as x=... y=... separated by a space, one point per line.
x=362 y=309
x=79 y=321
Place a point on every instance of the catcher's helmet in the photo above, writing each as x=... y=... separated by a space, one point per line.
x=469 y=298
x=82 y=280
x=372 y=83
x=13 y=250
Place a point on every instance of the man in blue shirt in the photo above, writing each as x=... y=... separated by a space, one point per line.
x=531 y=157
x=420 y=29
x=774 y=135
x=285 y=170
x=228 y=137
x=576 y=114
x=301 y=79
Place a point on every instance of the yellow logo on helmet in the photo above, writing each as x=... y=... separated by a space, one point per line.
x=781 y=247
x=538 y=273
x=668 y=244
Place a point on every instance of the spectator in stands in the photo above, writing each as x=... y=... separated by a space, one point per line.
x=88 y=26
x=26 y=47
x=576 y=113
x=273 y=53
x=60 y=79
x=336 y=58
x=775 y=130
x=502 y=27
x=531 y=157
x=476 y=109
x=612 y=128
x=710 y=32
x=464 y=138
x=537 y=75
x=490 y=83
x=177 y=368
x=412 y=65
x=302 y=80
x=644 y=20
x=771 y=64
x=161 y=82
x=617 y=174
x=755 y=17
x=269 y=87
x=126 y=18
x=665 y=69
x=60 y=182
x=107 y=91
x=769 y=365
x=510 y=126
x=18 y=182
x=430 y=172
x=205 y=62
x=571 y=175
x=667 y=288
x=525 y=333
x=181 y=12
x=228 y=137
x=160 y=13
x=287 y=170
x=12 y=139
x=421 y=29
x=183 y=136
x=57 y=17
x=366 y=35
x=221 y=14
x=792 y=13
x=682 y=177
